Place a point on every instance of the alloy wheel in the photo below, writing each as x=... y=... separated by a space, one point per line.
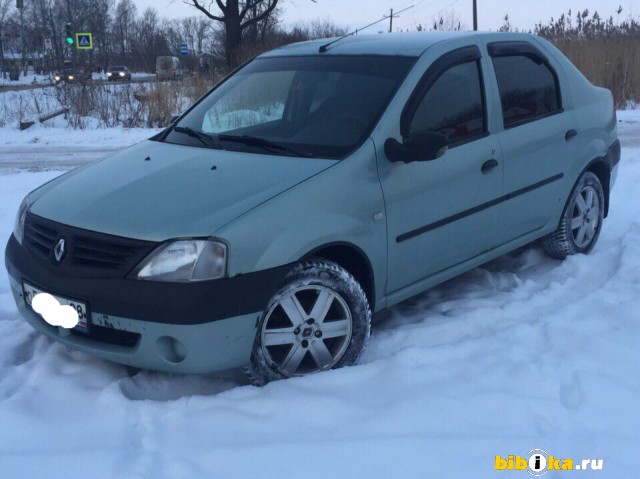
x=307 y=330
x=586 y=217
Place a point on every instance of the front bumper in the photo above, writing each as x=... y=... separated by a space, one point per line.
x=188 y=349
x=121 y=329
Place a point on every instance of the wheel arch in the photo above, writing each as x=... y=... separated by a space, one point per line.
x=354 y=260
x=600 y=168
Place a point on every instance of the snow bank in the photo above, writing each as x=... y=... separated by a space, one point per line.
x=29 y=79
x=41 y=136
x=525 y=352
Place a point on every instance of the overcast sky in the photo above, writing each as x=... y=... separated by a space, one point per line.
x=354 y=13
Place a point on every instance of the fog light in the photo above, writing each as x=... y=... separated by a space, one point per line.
x=171 y=350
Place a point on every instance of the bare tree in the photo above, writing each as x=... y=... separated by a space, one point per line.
x=448 y=20
x=5 y=5
x=236 y=16
x=123 y=26
x=506 y=26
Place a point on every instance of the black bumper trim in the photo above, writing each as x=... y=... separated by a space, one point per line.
x=153 y=301
x=614 y=154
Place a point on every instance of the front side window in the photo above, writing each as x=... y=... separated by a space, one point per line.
x=454 y=105
x=317 y=106
x=528 y=89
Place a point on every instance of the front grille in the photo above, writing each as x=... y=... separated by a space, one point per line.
x=117 y=337
x=95 y=253
x=88 y=254
x=40 y=238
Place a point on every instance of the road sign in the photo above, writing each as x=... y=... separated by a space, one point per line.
x=84 y=41
x=184 y=50
x=47 y=44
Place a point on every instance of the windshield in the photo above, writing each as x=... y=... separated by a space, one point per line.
x=306 y=106
x=117 y=69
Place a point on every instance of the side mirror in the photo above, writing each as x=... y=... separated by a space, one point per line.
x=423 y=146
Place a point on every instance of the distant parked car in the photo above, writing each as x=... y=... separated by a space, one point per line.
x=317 y=185
x=168 y=68
x=72 y=75
x=116 y=73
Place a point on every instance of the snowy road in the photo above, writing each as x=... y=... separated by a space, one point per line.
x=525 y=352
x=59 y=149
x=47 y=159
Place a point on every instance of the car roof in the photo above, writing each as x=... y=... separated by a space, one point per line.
x=404 y=44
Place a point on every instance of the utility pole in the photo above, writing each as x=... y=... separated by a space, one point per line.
x=475 y=15
x=391 y=22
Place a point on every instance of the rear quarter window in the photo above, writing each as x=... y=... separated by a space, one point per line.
x=529 y=89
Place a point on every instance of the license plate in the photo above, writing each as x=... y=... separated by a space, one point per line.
x=81 y=308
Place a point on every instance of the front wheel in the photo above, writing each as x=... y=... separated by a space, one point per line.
x=319 y=320
x=581 y=220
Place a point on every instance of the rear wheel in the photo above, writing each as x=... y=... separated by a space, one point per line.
x=581 y=220
x=319 y=320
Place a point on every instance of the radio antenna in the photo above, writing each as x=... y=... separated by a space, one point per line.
x=324 y=48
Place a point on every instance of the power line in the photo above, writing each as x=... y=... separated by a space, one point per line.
x=448 y=6
x=425 y=7
x=397 y=15
x=324 y=48
x=406 y=4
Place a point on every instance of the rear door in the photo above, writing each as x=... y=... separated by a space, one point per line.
x=537 y=137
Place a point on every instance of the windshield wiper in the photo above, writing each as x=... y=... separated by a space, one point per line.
x=263 y=143
x=205 y=139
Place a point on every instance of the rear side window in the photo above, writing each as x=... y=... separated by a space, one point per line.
x=454 y=105
x=528 y=89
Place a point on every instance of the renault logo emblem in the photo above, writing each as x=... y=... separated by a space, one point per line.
x=59 y=250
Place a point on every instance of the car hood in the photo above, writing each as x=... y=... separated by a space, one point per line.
x=157 y=191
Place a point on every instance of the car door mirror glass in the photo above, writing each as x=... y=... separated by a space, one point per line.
x=419 y=146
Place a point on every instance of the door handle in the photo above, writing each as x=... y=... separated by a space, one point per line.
x=570 y=135
x=487 y=166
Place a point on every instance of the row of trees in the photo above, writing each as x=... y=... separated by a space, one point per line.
x=225 y=31
x=122 y=35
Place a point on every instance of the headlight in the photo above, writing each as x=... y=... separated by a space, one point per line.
x=70 y=77
x=185 y=260
x=109 y=74
x=21 y=217
x=57 y=78
x=121 y=74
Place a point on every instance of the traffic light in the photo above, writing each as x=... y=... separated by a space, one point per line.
x=70 y=40
x=19 y=4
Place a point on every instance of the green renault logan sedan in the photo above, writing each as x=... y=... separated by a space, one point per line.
x=319 y=183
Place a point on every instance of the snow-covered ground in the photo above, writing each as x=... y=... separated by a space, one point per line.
x=525 y=352
x=29 y=79
x=43 y=148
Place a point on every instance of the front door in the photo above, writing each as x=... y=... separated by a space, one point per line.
x=438 y=212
